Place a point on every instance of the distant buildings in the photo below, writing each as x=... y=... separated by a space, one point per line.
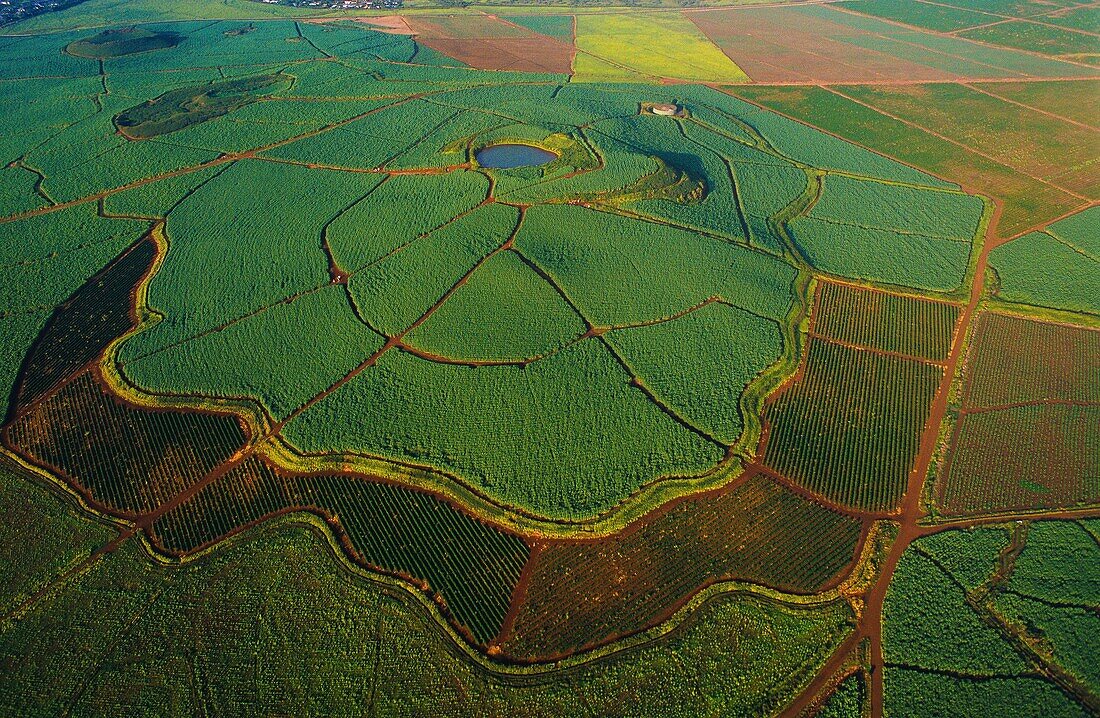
x=339 y=4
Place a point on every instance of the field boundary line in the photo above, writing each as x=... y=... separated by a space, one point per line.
x=875 y=350
x=1083 y=403
x=971 y=86
x=938 y=33
x=967 y=148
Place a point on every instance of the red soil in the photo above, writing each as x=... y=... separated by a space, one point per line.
x=518 y=54
x=583 y=593
x=390 y=24
x=780 y=45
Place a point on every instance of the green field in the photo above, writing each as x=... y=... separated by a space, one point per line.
x=1041 y=38
x=153 y=621
x=325 y=394
x=997 y=645
x=1057 y=267
x=707 y=211
x=932 y=145
x=925 y=15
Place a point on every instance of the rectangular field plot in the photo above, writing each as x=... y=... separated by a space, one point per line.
x=938 y=146
x=584 y=593
x=657 y=46
x=1023 y=361
x=488 y=43
x=1026 y=435
x=556 y=26
x=1023 y=458
x=1036 y=145
x=465 y=27
x=1057 y=267
x=832 y=44
x=1081 y=17
x=888 y=322
x=849 y=426
x=930 y=16
x=1039 y=37
x=782 y=45
x=1074 y=100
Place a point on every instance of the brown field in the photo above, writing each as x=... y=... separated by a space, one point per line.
x=391 y=24
x=1024 y=458
x=1016 y=360
x=487 y=43
x=465 y=27
x=782 y=45
x=126 y=459
x=526 y=54
x=1026 y=437
x=82 y=327
x=585 y=593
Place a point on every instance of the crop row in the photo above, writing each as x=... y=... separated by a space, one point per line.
x=1023 y=458
x=471 y=565
x=129 y=459
x=82 y=327
x=850 y=428
x=1021 y=360
x=890 y=322
x=585 y=593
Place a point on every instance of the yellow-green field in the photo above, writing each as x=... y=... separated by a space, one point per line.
x=621 y=47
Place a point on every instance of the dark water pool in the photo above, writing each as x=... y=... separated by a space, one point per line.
x=505 y=157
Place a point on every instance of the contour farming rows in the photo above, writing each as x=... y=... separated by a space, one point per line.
x=188 y=478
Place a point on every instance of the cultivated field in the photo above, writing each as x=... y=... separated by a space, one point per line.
x=537 y=361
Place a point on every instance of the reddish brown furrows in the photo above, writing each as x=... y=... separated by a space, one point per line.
x=586 y=593
x=847 y=426
x=1016 y=360
x=126 y=459
x=82 y=326
x=1025 y=436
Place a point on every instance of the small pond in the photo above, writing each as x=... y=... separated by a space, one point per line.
x=508 y=156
